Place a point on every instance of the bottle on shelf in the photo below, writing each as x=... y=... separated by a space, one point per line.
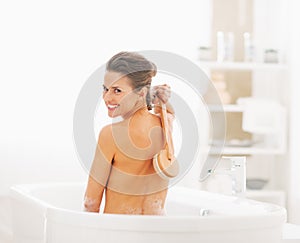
x=248 y=48
x=225 y=46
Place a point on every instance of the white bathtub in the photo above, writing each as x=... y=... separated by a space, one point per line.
x=52 y=213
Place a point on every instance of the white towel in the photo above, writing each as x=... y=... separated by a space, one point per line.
x=261 y=116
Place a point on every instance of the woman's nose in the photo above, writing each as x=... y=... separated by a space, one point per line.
x=107 y=96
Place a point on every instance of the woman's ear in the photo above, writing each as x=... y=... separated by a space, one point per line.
x=143 y=92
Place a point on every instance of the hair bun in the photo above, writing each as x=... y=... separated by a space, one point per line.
x=152 y=73
x=154 y=70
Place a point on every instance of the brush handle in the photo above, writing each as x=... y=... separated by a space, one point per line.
x=165 y=127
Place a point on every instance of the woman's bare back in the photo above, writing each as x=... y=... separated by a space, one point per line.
x=133 y=186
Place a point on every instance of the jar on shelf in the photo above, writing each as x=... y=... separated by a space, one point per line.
x=271 y=56
x=204 y=53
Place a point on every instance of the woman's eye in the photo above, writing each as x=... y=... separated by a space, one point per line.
x=105 y=89
x=117 y=91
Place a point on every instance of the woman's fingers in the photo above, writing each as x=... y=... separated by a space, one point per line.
x=161 y=92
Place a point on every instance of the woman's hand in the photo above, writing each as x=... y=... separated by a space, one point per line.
x=160 y=93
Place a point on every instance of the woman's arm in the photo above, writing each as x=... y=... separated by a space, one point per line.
x=100 y=170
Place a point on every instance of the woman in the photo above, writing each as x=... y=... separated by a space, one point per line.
x=122 y=167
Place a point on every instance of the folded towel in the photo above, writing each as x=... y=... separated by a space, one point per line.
x=261 y=116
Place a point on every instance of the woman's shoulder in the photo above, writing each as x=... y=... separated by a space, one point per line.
x=106 y=135
x=108 y=132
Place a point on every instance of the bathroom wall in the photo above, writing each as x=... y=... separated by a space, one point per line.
x=293 y=48
x=278 y=18
x=48 y=52
x=49 y=49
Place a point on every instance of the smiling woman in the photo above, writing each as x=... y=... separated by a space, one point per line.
x=119 y=95
x=122 y=166
x=138 y=70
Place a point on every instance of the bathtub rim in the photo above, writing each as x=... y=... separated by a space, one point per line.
x=152 y=223
x=52 y=213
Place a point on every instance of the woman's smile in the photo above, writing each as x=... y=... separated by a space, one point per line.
x=112 y=109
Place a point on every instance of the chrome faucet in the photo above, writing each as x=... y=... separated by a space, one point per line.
x=237 y=172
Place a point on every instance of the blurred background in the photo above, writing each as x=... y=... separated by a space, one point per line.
x=248 y=48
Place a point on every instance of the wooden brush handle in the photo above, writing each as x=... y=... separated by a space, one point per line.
x=165 y=127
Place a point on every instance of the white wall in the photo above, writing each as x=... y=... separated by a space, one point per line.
x=49 y=49
x=294 y=52
x=270 y=27
x=277 y=26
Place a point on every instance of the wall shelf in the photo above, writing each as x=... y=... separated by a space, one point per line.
x=256 y=128
x=250 y=66
x=226 y=108
x=253 y=150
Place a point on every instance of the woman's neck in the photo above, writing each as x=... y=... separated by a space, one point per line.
x=140 y=110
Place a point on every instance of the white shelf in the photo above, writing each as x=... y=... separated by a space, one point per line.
x=240 y=65
x=247 y=150
x=226 y=108
x=266 y=193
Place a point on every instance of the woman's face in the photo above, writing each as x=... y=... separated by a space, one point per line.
x=118 y=95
